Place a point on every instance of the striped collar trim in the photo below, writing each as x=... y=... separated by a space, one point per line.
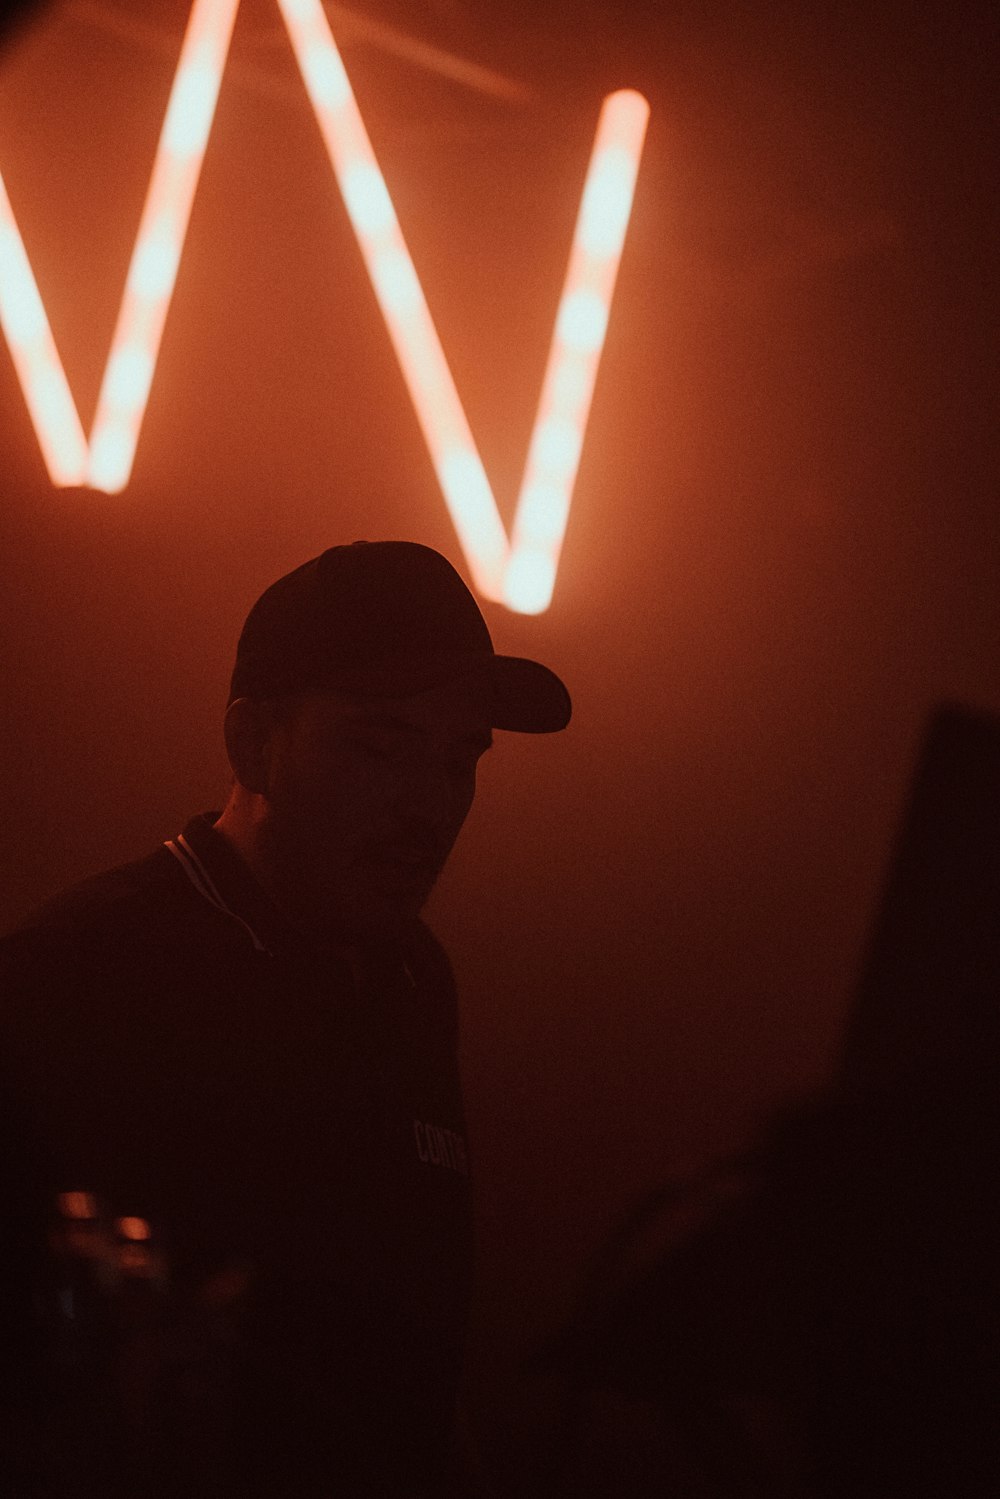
x=206 y=886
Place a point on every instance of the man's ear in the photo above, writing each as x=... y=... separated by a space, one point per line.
x=249 y=728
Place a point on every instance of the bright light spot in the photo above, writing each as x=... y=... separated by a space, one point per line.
x=77 y=1205
x=542 y=512
x=326 y=80
x=462 y=475
x=529 y=582
x=396 y=282
x=191 y=107
x=607 y=202
x=111 y=452
x=65 y=453
x=557 y=446
x=36 y=360
x=129 y=373
x=425 y=369
x=473 y=509
x=367 y=199
x=583 y=321
x=150 y=280
x=128 y=379
x=547 y=489
x=570 y=385
x=155 y=266
x=48 y=396
x=136 y=1229
x=23 y=312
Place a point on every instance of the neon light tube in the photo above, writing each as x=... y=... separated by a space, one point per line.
x=581 y=324
x=521 y=574
x=121 y=404
x=36 y=360
x=397 y=287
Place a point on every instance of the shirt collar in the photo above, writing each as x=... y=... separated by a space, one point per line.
x=223 y=878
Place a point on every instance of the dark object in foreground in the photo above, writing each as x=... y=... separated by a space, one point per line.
x=828 y=1327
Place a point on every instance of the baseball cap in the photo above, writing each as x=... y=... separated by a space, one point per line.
x=387 y=619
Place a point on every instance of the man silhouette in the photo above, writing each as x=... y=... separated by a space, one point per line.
x=237 y=1182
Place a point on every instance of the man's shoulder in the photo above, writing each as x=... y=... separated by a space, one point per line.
x=102 y=895
x=130 y=896
x=102 y=923
x=76 y=964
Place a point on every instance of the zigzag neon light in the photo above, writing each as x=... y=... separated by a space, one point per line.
x=521 y=572
x=121 y=404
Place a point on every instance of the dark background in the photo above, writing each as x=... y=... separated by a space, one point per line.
x=782 y=552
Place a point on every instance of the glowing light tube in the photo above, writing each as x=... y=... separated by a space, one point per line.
x=581 y=323
x=425 y=369
x=36 y=360
x=152 y=273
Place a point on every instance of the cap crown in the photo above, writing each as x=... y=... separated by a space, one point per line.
x=353 y=610
x=387 y=619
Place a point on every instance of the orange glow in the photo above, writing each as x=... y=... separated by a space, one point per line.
x=520 y=573
x=136 y=1230
x=121 y=405
x=581 y=325
x=36 y=359
x=522 y=576
x=439 y=410
x=78 y=1205
x=128 y=375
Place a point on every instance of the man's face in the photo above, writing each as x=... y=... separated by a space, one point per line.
x=366 y=800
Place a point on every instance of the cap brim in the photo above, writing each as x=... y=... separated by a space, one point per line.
x=518 y=694
x=528 y=697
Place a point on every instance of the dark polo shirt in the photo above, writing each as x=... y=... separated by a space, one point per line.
x=288 y=1120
